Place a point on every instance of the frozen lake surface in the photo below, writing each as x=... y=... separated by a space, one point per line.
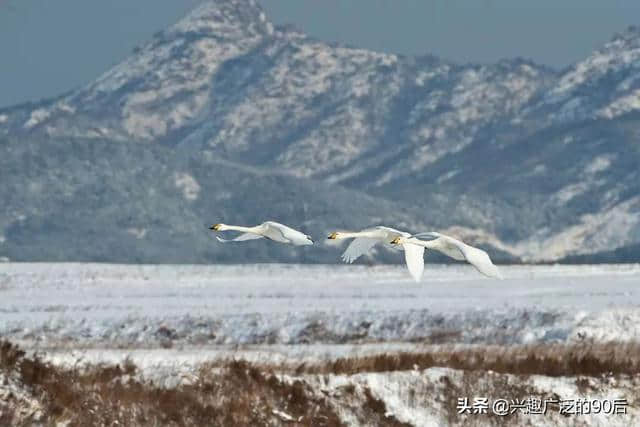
x=144 y=307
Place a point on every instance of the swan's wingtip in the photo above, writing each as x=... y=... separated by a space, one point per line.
x=347 y=259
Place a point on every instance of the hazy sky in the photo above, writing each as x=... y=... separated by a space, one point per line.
x=50 y=46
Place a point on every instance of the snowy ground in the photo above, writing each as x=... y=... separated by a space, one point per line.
x=170 y=319
x=187 y=314
x=116 y=306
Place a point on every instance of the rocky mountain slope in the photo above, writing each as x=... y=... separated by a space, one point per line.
x=226 y=117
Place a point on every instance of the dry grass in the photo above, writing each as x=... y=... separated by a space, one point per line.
x=541 y=359
x=238 y=393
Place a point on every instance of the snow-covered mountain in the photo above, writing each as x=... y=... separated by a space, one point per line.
x=527 y=161
x=606 y=84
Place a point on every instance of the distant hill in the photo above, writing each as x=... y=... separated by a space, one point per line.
x=226 y=117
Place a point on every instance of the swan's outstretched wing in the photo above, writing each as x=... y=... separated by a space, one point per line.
x=427 y=235
x=414 y=256
x=358 y=247
x=443 y=244
x=387 y=234
x=241 y=238
x=361 y=245
x=462 y=251
x=481 y=261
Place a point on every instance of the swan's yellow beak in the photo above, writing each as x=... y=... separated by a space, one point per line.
x=215 y=227
x=333 y=236
x=395 y=241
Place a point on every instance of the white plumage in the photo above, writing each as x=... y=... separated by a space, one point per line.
x=366 y=239
x=453 y=248
x=268 y=229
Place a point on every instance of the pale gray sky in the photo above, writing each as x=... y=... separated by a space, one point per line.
x=48 y=47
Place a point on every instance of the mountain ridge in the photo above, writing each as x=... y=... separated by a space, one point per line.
x=532 y=163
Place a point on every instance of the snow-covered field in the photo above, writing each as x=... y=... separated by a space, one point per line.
x=136 y=306
x=170 y=319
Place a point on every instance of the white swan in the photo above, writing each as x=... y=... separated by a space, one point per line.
x=453 y=248
x=364 y=240
x=269 y=229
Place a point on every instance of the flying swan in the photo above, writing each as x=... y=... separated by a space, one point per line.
x=366 y=239
x=268 y=229
x=453 y=248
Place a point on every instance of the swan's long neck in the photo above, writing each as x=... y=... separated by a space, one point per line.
x=353 y=234
x=240 y=228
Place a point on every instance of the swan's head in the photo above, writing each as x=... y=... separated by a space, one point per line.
x=218 y=227
x=309 y=239
x=333 y=236
x=397 y=241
